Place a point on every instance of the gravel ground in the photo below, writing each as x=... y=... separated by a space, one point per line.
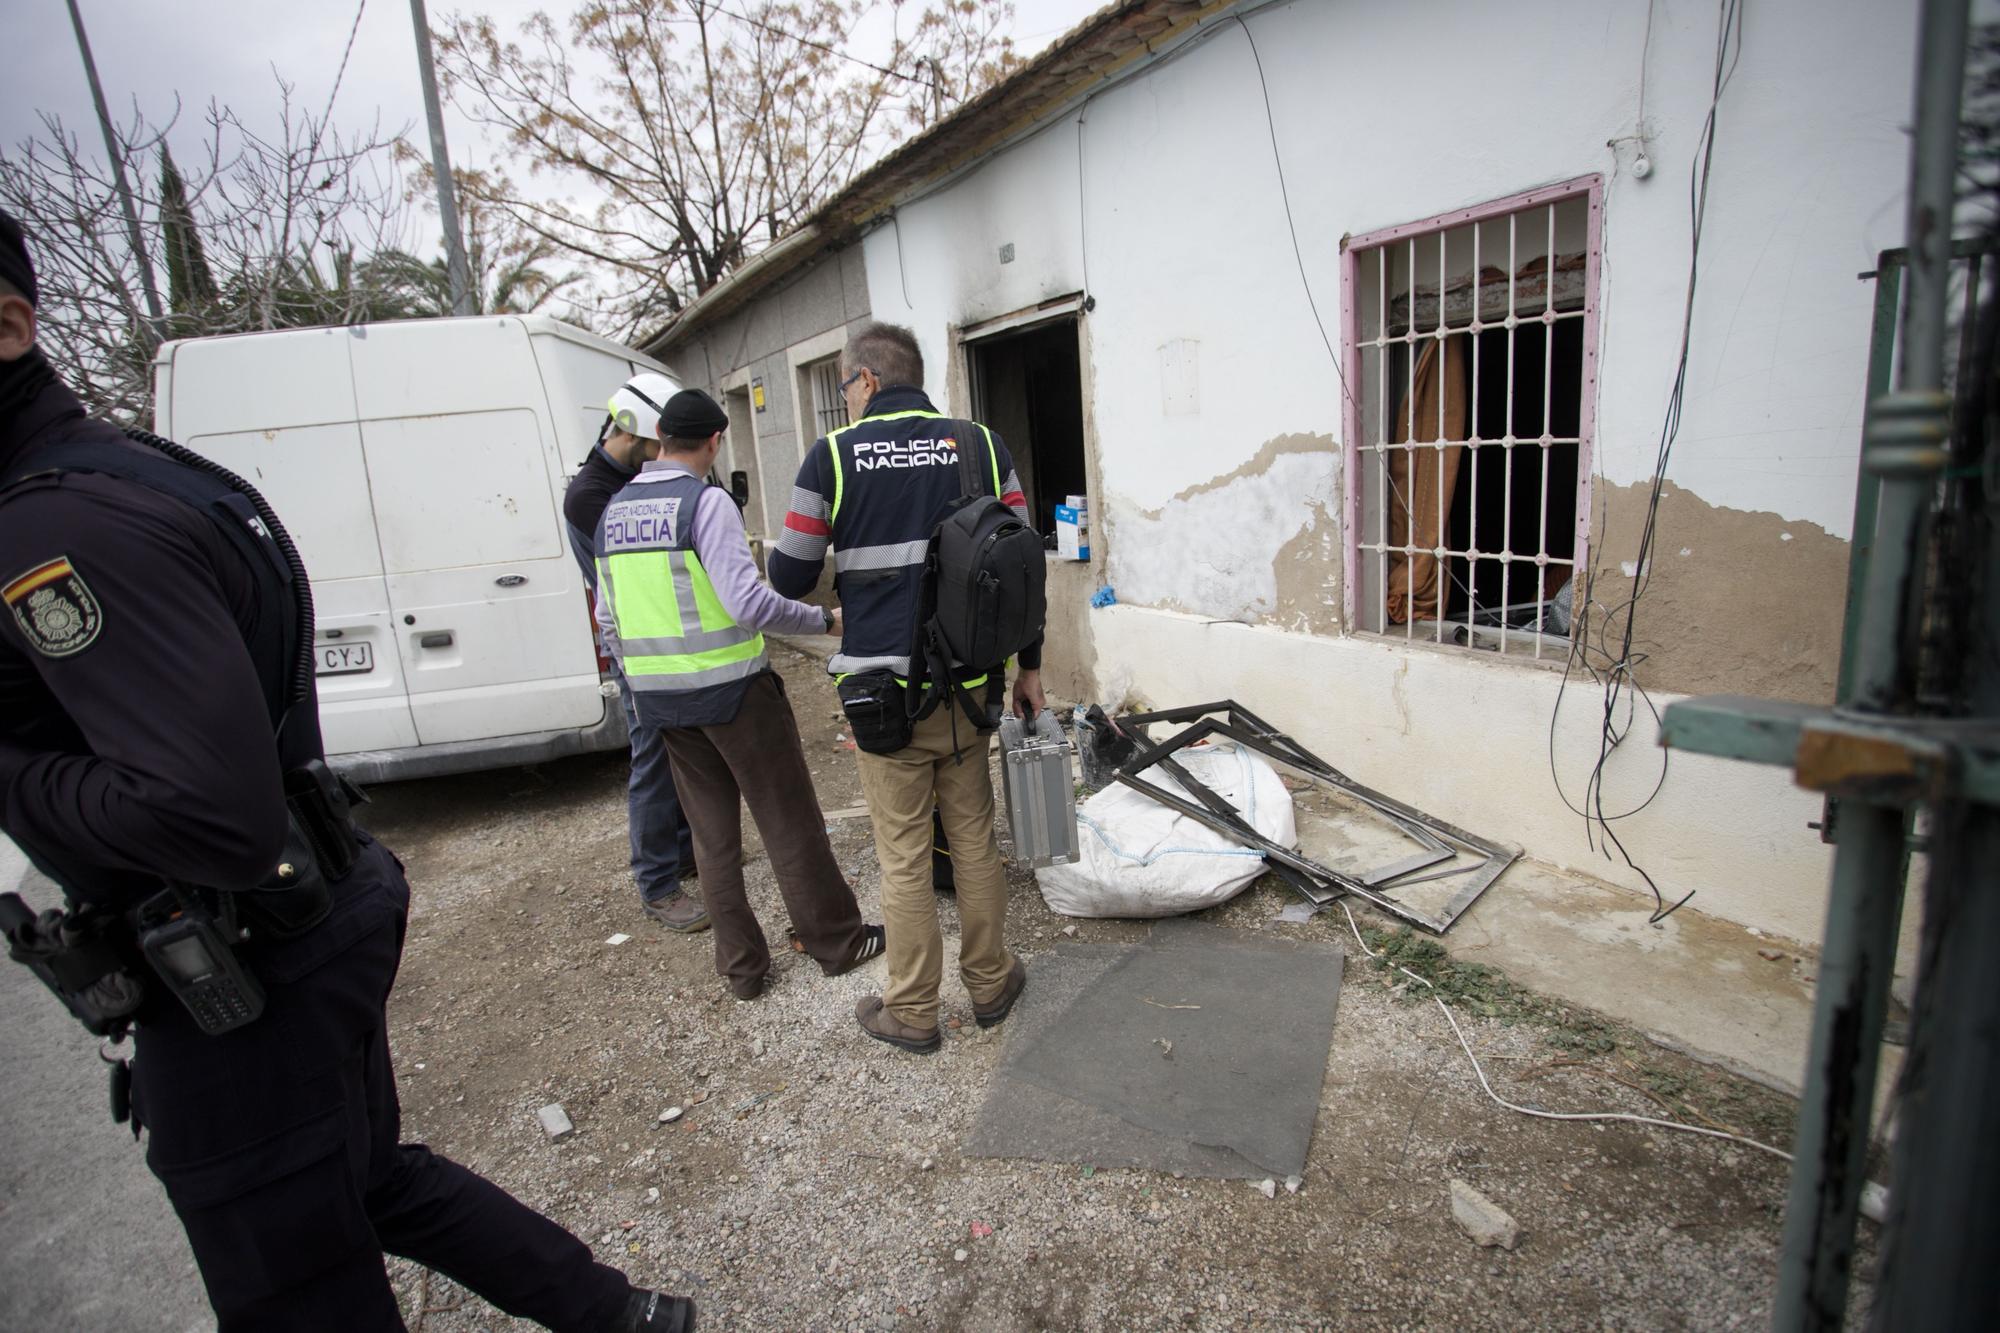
x=814 y=1178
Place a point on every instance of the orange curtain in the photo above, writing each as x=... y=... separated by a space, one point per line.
x=1422 y=480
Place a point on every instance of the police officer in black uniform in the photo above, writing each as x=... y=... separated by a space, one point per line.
x=160 y=760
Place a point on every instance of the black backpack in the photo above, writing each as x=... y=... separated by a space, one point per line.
x=984 y=593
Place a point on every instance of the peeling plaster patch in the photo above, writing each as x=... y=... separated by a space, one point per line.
x=1309 y=571
x=1259 y=463
x=1217 y=549
x=1739 y=619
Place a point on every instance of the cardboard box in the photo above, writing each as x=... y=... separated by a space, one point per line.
x=1073 y=529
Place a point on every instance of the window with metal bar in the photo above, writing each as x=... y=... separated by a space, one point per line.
x=828 y=407
x=1472 y=369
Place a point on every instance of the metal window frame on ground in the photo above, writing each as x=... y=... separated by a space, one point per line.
x=1319 y=884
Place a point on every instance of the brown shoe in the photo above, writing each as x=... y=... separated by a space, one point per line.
x=678 y=913
x=879 y=1024
x=989 y=1015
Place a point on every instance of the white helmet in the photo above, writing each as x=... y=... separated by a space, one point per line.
x=636 y=407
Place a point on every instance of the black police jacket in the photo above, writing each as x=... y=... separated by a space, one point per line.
x=136 y=738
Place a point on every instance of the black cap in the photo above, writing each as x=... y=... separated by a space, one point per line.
x=15 y=266
x=692 y=415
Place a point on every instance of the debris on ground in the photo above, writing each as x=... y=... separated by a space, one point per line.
x=555 y=1121
x=1267 y=1187
x=509 y=996
x=1482 y=1219
x=1139 y=858
x=1443 y=850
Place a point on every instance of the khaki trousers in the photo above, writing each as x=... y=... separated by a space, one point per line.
x=901 y=789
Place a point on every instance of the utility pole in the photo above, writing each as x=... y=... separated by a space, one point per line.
x=138 y=242
x=454 y=242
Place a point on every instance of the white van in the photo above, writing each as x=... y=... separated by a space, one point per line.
x=420 y=467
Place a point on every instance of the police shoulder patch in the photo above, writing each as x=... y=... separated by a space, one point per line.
x=54 y=608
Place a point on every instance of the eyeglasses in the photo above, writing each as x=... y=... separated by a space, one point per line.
x=849 y=381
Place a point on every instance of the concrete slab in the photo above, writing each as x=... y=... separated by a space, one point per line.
x=1695 y=979
x=1697 y=984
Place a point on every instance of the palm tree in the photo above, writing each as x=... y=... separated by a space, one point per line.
x=509 y=277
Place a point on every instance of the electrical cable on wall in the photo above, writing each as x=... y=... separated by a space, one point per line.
x=896 y=220
x=1082 y=227
x=1285 y=196
x=1277 y=160
x=1616 y=673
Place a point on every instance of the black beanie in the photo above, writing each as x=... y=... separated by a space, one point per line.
x=15 y=266
x=692 y=415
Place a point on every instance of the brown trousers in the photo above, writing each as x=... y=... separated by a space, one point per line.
x=757 y=760
x=902 y=788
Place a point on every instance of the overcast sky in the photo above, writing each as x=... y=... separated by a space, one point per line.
x=226 y=50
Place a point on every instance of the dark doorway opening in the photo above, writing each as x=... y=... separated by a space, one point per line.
x=1027 y=385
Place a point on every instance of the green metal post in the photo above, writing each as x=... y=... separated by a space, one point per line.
x=1881 y=363
x=1905 y=450
x=1850 y=1002
x=1941 y=1266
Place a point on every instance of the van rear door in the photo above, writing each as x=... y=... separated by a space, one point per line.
x=486 y=599
x=278 y=410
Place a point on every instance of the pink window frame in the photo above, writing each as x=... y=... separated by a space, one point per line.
x=1591 y=187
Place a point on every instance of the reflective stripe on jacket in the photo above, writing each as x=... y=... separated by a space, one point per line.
x=677 y=644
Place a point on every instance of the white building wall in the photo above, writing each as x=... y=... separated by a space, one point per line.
x=1389 y=114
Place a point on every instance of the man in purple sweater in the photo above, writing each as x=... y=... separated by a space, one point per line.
x=683 y=612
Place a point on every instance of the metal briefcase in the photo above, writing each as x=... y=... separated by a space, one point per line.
x=1041 y=794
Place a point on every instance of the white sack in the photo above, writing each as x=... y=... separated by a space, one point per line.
x=1141 y=859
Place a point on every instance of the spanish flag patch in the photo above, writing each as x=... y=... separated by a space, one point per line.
x=53 y=606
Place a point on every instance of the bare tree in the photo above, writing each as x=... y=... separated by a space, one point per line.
x=715 y=126
x=263 y=232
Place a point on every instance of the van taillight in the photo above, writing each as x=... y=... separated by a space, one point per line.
x=596 y=637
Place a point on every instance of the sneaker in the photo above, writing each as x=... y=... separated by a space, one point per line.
x=990 y=1014
x=656 y=1312
x=877 y=1023
x=873 y=941
x=678 y=913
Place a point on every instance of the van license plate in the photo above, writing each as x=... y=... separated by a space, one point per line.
x=345 y=659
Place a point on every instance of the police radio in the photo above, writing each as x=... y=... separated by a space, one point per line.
x=190 y=952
